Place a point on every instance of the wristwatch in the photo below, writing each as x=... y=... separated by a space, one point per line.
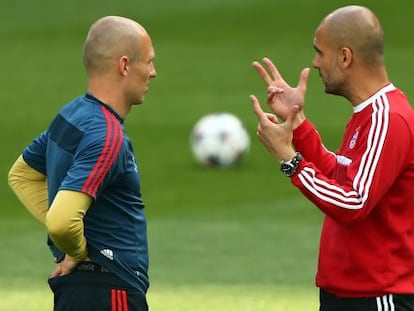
x=289 y=167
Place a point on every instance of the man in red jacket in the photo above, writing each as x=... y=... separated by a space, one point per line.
x=366 y=188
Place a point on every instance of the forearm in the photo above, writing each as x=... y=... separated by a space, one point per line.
x=308 y=142
x=64 y=222
x=30 y=187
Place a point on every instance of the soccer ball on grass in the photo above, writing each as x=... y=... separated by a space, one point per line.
x=219 y=140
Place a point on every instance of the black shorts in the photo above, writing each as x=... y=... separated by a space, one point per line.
x=390 y=302
x=97 y=290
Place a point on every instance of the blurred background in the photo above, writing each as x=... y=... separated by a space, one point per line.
x=220 y=239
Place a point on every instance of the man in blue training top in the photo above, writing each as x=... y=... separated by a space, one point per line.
x=80 y=177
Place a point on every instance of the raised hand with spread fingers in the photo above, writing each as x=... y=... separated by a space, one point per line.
x=281 y=97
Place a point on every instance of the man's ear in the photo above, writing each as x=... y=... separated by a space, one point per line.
x=123 y=65
x=345 y=57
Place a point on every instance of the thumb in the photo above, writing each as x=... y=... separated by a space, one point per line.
x=272 y=118
x=303 y=79
x=56 y=272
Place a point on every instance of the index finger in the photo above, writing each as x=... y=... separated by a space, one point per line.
x=262 y=72
x=272 y=68
x=258 y=111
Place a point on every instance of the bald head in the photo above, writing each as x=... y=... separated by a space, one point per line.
x=357 y=28
x=110 y=38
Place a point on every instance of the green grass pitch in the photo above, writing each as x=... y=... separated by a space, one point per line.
x=236 y=239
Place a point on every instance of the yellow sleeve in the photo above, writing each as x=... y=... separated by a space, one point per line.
x=64 y=222
x=30 y=187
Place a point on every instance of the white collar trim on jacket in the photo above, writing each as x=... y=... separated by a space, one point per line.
x=370 y=100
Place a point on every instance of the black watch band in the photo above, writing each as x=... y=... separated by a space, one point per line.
x=289 y=167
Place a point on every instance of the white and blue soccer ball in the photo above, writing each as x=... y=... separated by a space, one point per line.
x=219 y=140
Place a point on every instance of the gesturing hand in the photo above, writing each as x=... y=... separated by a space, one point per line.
x=281 y=97
x=276 y=136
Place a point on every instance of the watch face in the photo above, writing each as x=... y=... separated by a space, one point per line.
x=288 y=168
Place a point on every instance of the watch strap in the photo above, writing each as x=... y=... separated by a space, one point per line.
x=288 y=168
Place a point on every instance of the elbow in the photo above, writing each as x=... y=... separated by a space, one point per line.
x=350 y=218
x=12 y=179
x=15 y=173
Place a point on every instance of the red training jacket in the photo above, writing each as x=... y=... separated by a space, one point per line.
x=366 y=191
